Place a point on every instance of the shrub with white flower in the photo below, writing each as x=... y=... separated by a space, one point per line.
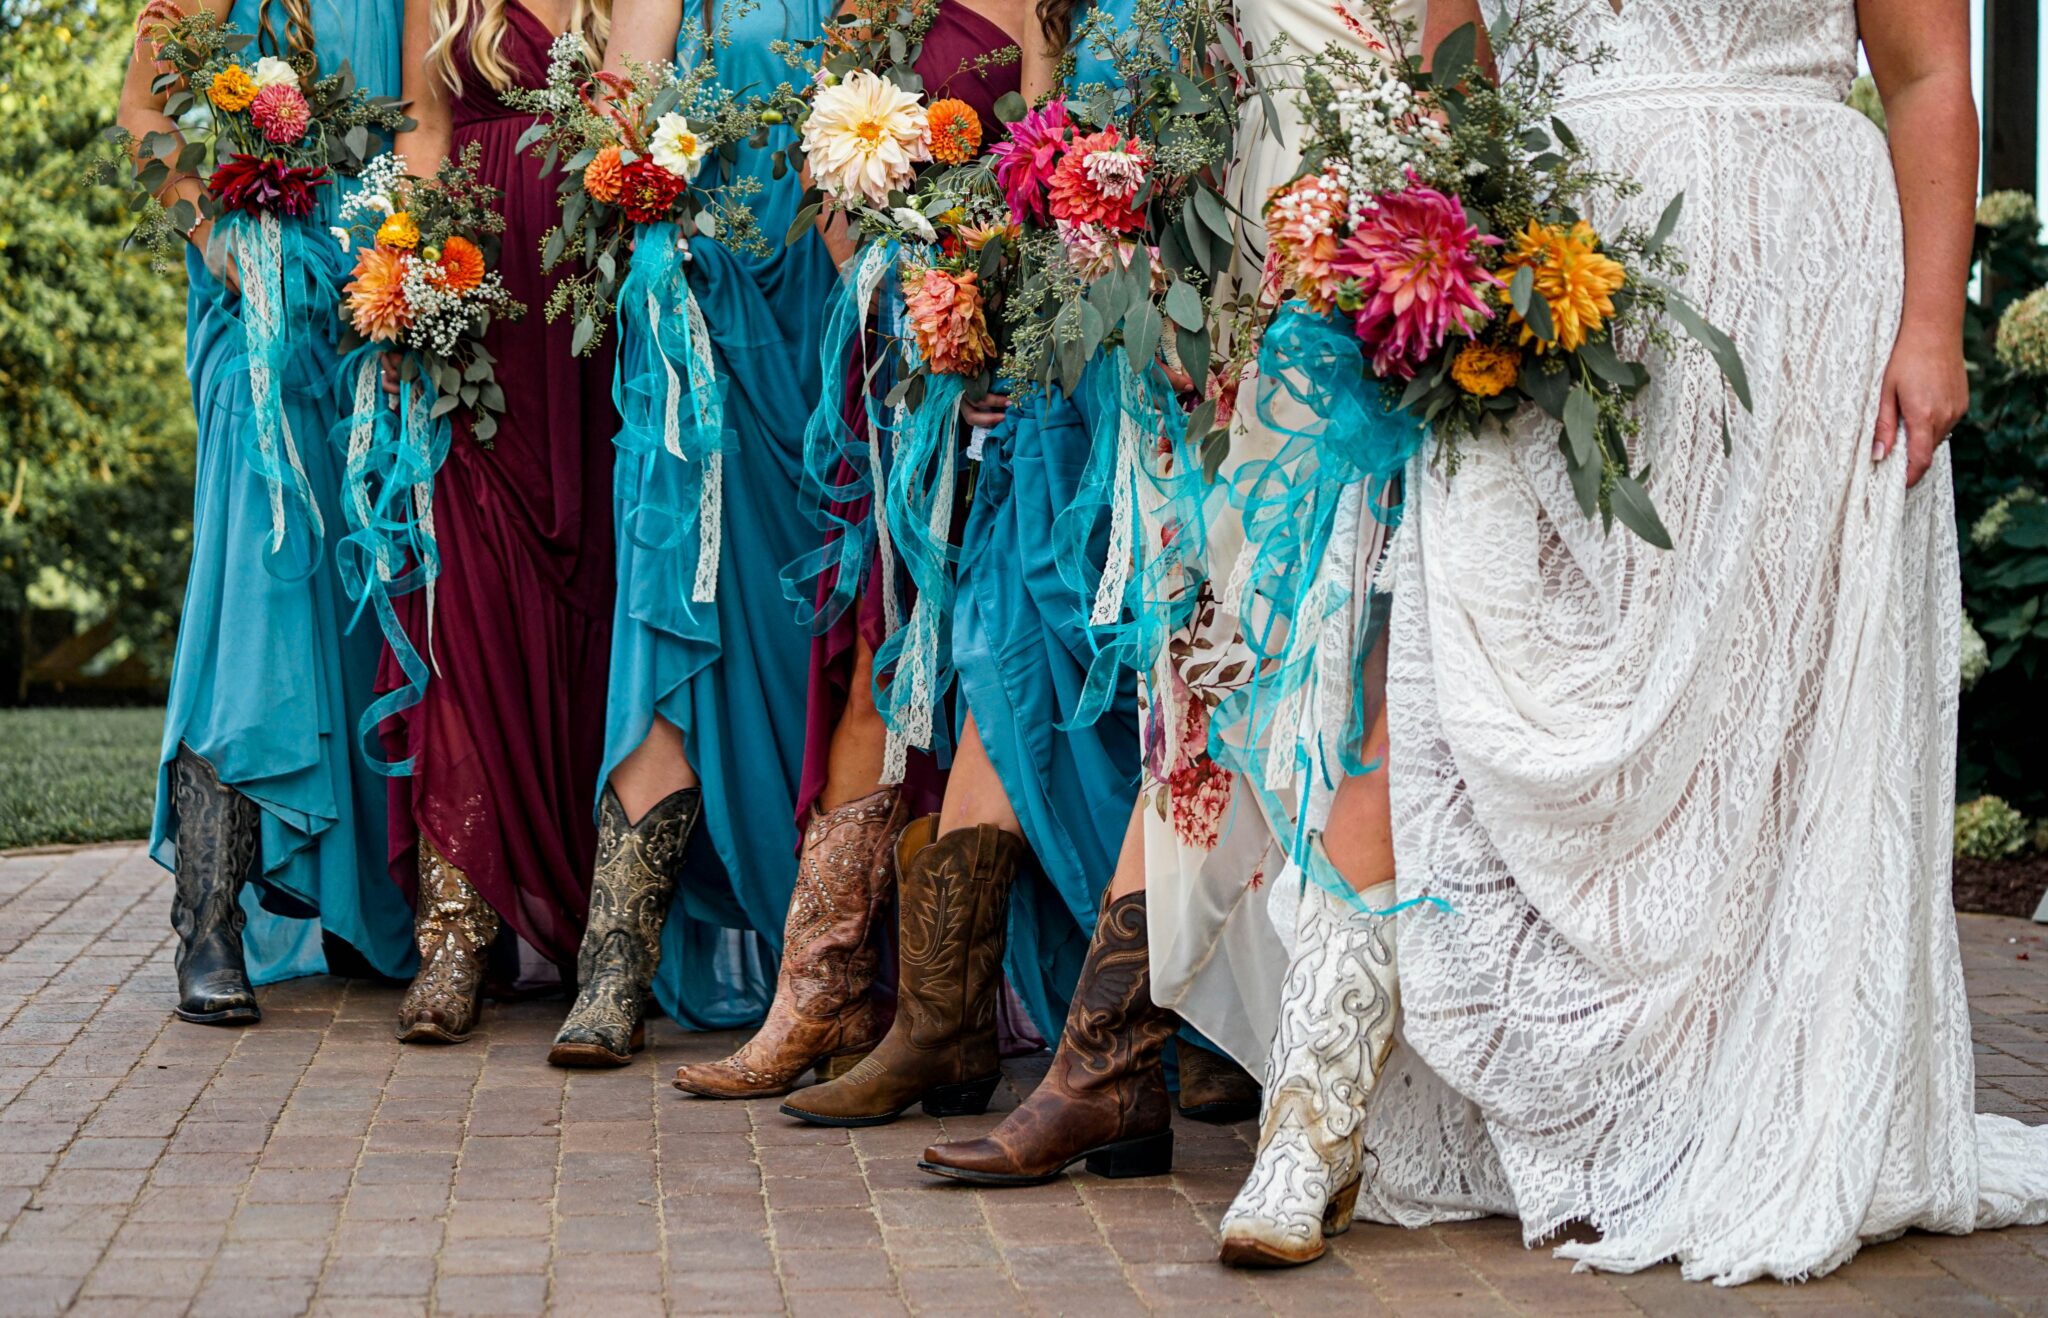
x=1976 y=655
x=1988 y=528
x=1988 y=828
x=2023 y=335
x=2011 y=207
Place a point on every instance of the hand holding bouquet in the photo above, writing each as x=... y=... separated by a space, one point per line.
x=423 y=281
x=1438 y=220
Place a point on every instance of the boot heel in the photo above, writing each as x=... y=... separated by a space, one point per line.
x=1149 y=1155
x=831 y=1068
x=1337 y=1216
x=962 y=1100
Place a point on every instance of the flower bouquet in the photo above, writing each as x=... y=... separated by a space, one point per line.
x=629 y=148
x=1435 y=241
x=424 y=287
x=262 y=137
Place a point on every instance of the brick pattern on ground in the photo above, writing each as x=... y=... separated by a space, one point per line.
x=312 y=1165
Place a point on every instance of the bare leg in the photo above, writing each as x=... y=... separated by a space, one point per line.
x=974 y=791
x=853 y=763
x=1359 y=837
x=658 y=768
x=1130 y=862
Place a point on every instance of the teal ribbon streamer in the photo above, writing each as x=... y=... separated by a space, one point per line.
x=1141 y=468
x=672 y=410
x=291 y=276
x=390 y=549
x=838 y=464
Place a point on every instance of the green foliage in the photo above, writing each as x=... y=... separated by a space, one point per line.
x=1989 y=829
x=77 y=775
x=95 y=431
x=2001 y=467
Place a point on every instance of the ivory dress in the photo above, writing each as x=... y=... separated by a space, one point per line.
x=1694 y=807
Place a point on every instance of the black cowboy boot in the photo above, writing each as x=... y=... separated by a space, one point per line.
x=635 y=881
x=219 y=830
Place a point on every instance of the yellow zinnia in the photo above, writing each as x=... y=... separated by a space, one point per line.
x=1574 y=279
x=1484 y=371
x=398 y=232
x=232 y=89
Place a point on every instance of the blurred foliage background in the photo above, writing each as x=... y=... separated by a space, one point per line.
x=96 y=425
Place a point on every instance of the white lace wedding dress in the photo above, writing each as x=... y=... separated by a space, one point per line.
x=1694 y=807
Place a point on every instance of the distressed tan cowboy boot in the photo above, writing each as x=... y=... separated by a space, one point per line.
x=453 y=927
x=942 y=1051
x=1337 y=1014
x=822 y=1013
x=630 y=893
x=1104 y=1099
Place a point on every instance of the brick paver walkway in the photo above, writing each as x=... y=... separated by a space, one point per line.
x=312 y=1164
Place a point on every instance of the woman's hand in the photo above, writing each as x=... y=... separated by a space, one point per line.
x=987 y=411
x=1926 y=390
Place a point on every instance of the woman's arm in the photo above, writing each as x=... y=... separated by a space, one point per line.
x=643 y=31
x=142 y=113
x=1443 y=17
x=1920 y=55
x=427 y=144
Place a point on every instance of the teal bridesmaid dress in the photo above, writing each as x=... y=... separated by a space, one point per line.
x=268 y=681
x=729 y=673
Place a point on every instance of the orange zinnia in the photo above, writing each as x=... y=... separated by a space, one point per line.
x=462 y=265
x=376 y=296
x=604 y=177
x=956 y=131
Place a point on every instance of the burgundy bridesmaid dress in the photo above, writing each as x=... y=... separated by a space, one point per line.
x=510 y=736
x=957 y=39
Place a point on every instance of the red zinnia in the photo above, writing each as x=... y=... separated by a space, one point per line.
x=647 y=191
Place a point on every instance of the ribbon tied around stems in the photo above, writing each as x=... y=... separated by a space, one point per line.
x=671 y=407
x=842 y=473
x=290 y=287
x=387 y=500
x=1141 y=472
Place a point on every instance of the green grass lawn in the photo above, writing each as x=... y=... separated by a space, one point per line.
x=76 y=775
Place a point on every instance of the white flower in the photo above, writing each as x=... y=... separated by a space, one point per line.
x=864 y=138
x=1976 y=657
x=677 y=147
x=270 y=71
x=913 y=222
x=341 y=236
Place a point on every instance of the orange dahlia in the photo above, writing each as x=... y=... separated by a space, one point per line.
x=1485 y=371
x=1302 y=223
x=946 y=314
x=462 y=265
x=376 y=296
x=1097 y=181
x=1573 y=277
x=956 y=131
x=232 y=89
x=604 y=177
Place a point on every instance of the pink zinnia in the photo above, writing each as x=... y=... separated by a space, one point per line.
x=1026 y=159
x=281 y=113
x=1412 y=257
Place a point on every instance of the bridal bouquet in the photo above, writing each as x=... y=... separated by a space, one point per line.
x=423 y=282
x=1435 y=237
x=263 y=135
x=630 y=148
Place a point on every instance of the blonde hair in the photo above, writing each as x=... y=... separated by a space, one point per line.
x=298 y=26
x=591 y=19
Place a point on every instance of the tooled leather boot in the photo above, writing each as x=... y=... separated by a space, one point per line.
x=1104 y=1099
x=634 y=883
x=942 y=1050
x=219 y=834
x=453 y=927
x=1213 y=1088
x=822 y=1011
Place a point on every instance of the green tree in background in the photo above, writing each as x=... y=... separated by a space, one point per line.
x=96 y=428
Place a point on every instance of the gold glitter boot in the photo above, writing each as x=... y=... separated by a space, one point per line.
x=454 y=928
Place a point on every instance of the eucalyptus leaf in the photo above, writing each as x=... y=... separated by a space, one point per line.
x=1585 y=478
x=1718 y=345
x=1193 y=349
x=1633 y=509
x=1665 y=224
x=1141 y=335
x=1010 y=107
x=1184 y=304
x=1519 y=289
x=1582 y=424
x=1537 y=314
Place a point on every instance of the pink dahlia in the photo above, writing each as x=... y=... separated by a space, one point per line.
x=1098 y=180
x=1417 y=275
x=1025 y=160
x=281 y=113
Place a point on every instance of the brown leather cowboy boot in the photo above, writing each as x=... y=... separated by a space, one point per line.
x=942 y=1050
x=1105 y=1097
x=453 y=926
x=822 y=1011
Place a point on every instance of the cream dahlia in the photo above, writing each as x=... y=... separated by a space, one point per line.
x=864 y=138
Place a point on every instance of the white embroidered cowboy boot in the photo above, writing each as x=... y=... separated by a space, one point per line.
x=1337 y=1014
